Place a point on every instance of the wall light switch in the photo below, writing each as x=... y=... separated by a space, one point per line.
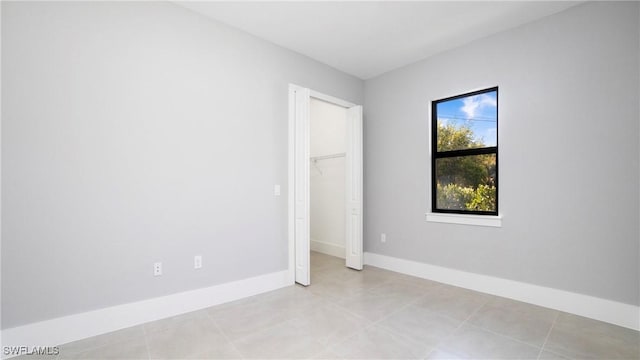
x=276 y=190
x=383 y=237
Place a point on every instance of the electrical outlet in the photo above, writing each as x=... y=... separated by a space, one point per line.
x=157 y=269
x=383 y=237
x=197 y=262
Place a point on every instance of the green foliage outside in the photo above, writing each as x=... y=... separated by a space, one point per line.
x=456 y=197
x=451 y=137
x=467 y=182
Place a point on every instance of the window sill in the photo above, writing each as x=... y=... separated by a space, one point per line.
x=477 y=220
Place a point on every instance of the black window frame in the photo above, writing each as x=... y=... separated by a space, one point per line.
x=435 y=154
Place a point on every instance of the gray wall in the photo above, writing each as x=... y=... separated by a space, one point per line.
x=135 y=133
x=569 y=153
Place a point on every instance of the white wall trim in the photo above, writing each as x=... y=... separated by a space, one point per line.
x=79 y=326
x=328 y=248
x=331 y=99
x=291 y=181
x=584 y=305
x=479 y=220
x=1 y=339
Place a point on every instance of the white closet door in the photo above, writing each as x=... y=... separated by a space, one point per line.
x=353 y=191
x=301 y=187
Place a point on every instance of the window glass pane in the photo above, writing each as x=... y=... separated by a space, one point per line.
x=466 y=183
x=467 y=122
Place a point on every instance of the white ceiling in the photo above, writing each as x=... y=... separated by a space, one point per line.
x=366 y=39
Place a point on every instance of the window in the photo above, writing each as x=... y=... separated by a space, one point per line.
x=464 y=162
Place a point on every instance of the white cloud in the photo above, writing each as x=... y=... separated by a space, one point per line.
x=473 y=104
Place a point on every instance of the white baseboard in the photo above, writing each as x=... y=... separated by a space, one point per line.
x=79 y=326
x=327 y=248
x=584 y=305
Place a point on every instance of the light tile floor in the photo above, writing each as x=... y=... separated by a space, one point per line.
x=369 y=314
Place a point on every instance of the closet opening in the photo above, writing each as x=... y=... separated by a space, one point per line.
x=327 y=134
x=325 y=177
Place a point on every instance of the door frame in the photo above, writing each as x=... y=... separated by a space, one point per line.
x=291 y=167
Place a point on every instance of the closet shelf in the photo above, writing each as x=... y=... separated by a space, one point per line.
x=324 y=157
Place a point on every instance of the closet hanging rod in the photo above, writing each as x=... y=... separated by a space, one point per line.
x=324 y=157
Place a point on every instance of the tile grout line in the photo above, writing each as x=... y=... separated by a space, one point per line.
x=98 y=346
x=462 y=323
x=433 y=312
x=384 y=328
x=374 y=323
x=507 y=336
x=548 y=335
x=494 y=332
x=458 y=327
x=328 y=348
x=503 y=336
x=371 y=325
x=382 y=318
x=410 y=303
x=146 y=341
x=297 y=314
x=330 y=302
x=215 y=323
x=266 y=328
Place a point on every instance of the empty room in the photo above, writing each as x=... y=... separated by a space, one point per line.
x=320 y=180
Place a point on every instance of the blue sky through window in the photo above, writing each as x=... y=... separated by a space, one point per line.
x=478 y=112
